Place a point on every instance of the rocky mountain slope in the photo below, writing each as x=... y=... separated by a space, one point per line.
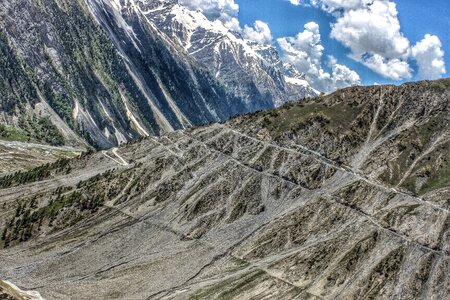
x=341 y=197
x=20 y=156
x=101 y=72
x=251 y=70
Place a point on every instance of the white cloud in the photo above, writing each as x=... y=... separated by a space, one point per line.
x=224 y=10
x=304 y=51
x=369 y=28
x=333 y=6
x=372 y=32
x=331 y=61
x=429 y=57
x=342 y=77
x=260 y=32
x=373 y=35
x=393 y=68
x=374 y=28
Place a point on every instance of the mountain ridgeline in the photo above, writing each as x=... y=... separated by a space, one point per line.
x=101 y=72
x=344 y=196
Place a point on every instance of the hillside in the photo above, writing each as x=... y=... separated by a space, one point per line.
x=340 y=197
x=100 y=73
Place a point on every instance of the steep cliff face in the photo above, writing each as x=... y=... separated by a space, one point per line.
x=340 y=197
x=89 y=71
x=72 y=69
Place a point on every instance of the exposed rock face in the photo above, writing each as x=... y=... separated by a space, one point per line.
x=102 y=72
x=341 y=197
x=9 y=291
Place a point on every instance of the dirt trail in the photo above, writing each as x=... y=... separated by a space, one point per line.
x=345 y=168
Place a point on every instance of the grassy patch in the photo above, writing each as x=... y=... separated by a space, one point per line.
x=335 y=117
x=440 y=85
x=63 y=208
x=435 y=124
x=13 y=134
x=441 y=176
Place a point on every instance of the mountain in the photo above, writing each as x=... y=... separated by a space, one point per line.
x=344 y=196
x=101 y=73
x=251 y=70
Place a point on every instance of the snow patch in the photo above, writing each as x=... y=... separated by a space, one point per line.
x=296 y=81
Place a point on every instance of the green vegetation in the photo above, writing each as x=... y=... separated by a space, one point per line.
x=42 y=130
x=64 y=207
x=36 y=174
x=434 y=125
x=17 y=91
x=16 y=88
x=440 y=85
x=432 y=171
x=13 y=134
x=33 y=129
x=93 y=70
x=335 y=117
x=439 y=175
x=88 y=69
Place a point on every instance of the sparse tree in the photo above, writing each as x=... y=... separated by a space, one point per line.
x=4 y=234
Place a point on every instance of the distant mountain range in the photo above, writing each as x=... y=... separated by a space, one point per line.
x=101 y=73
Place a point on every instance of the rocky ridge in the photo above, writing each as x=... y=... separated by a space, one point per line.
x=343 y=196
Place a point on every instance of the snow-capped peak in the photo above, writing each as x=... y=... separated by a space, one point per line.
x=250 y=70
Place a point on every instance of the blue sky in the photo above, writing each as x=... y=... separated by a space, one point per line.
x=338 y=43
x=417 y=18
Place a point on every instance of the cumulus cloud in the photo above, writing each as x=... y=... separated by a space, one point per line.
x=370 y=29
x=372 y=32
x=260 y=32
x=338 y=6
x=429 y=57
x=224 y=10
x=304 y=51
x=393 y=68
x=342 y=77
x=374 y=28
